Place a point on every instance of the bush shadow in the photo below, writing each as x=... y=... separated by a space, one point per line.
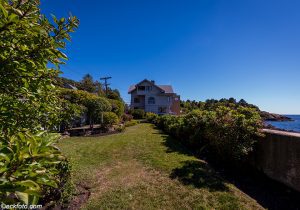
x=268 y=193
x=196 y=173
x=199 y=175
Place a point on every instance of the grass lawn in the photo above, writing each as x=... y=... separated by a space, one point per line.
x=144 y=169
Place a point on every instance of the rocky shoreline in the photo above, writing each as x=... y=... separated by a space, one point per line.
x=266 y=116
x=268 y=126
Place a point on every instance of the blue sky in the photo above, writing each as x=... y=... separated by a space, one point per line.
x=206 y=49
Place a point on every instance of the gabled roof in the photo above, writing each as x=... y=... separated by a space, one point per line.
x=164 y=88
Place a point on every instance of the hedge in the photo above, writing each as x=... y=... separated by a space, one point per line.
x=229 y=135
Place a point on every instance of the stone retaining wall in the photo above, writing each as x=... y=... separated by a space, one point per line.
x=278 y=156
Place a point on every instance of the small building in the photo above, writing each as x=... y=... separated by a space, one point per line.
x=150 y=97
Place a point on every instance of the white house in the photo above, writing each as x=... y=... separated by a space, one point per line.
x=159 y=99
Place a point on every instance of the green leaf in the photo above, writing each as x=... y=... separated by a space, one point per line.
x=24 y=197
x=4 y=11
x=4 y=157
x=30 y=184
x=13 y=18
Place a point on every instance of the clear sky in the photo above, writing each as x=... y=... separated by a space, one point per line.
x=205 y=48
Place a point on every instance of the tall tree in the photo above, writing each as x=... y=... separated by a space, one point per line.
x=87 y=84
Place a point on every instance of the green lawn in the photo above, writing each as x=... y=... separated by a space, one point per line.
x=144 y=169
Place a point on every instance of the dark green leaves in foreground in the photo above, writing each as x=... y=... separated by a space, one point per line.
x=27 y=163
x=29 y=45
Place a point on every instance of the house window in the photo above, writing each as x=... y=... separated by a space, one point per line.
x=151 y=100
x=148 y=88
x=162 y=109
x=141 y=87
x=136 y=100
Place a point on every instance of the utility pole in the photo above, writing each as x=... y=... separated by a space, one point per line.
x=105 y=83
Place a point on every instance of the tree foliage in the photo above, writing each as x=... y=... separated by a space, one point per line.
x=87 y=84
x=94 y=105
x=212 y=104
x=31 y=50
x=29 y=43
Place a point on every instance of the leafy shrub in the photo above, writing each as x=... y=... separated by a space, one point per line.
x=229 y=134
x=109 y=119
x=28 y=163
x=69 y=113
x=138 y=113
x=120 y=128
x=131 y=123
x=28 y=99
x=65 y=190
x=94 y=105
x=151 y=117
x=193 y=127
x=233 y=132
x=126 y=117
x=117 y=107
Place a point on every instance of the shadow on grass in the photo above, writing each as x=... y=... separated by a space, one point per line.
x=268 y=193
x=194 y=172
x=199 y=175
x=172 y=144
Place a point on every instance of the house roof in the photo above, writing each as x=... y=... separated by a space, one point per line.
x=69 y=86
x=131 y=88
x=165 y=88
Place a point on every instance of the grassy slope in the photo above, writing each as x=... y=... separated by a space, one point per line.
x=144 y=169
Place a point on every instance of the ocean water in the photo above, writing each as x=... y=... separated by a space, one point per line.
x=288 y=125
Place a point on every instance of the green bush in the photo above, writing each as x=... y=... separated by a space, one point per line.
x=120 y=128
x=94 y=105
x=109 y=119
x=117 y=107
x=138 y=113
x=151 y=117
x=228 y=133
x=131 y=123
x=233 y=132
x=126 y=117
x=28 y=99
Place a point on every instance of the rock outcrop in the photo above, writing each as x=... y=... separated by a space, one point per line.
x=266 y=116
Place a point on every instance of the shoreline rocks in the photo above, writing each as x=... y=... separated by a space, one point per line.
x=266 y=116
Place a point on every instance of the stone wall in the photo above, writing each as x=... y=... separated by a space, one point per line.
x=278 y=156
